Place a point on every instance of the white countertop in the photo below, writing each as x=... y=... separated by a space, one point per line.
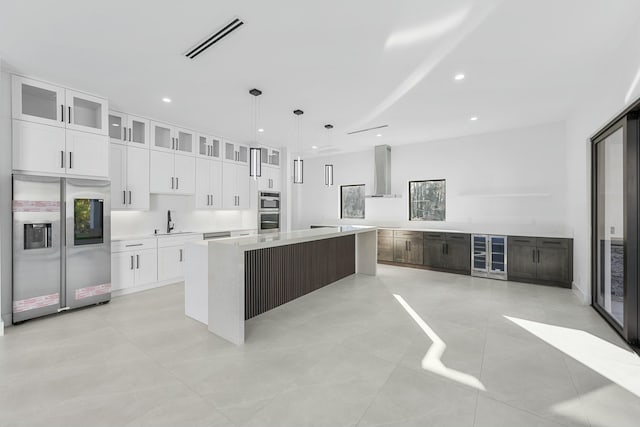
x=177 y=233
x=280 y=239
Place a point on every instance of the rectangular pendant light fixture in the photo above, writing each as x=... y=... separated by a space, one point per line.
x=255 y=160
x=328 y=175
x=298 y=171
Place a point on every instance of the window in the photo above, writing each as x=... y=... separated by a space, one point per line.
x=427 y=200
x=352 y=201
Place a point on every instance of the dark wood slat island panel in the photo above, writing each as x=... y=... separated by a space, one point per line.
x=277 y=275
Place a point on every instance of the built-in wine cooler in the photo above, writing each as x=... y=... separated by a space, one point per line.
x=489 y=256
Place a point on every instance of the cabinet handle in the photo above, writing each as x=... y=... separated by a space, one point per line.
x=446 y=245
x=129 y=134
x=131 y=268
x=69 y=118
x=62 y=158
x=180 y=255
x=62 y=113
x=172 y=183
x=138 y=262
x=533 y=252
x=538 y=256
x=70 y=160
x=124 y=197
x=132 y=245
x=129 y=196
x=177 y=183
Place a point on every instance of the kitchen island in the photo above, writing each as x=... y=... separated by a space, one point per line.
x=228 y=281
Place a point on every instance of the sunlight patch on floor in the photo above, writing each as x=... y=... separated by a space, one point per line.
x=431 y=361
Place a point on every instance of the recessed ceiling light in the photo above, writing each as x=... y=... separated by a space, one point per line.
x=474 y=118
x=459 y=76
x=260 y=130
x=379 y=135
x=115 y=124
x=315 y=147
x=167 y=100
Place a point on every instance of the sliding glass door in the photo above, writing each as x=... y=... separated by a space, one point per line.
x=615 y=225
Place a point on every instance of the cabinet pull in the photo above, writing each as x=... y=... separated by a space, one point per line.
x=69 y=117
x=447 y=246
x=124 y=197
x=533 y=251
x=70 y=160
x=177 y=183
x=172 y=183
x=132 y=245
x=131 y=268
x=138 y=262
x=62 y=113
x=538 y=256
x=129 y=196
x=129 y=134
x=62 y=158
x=180 y=255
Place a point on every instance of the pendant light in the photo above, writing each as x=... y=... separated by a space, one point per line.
x=255 y=153
x=328 y=169
x=298 y=168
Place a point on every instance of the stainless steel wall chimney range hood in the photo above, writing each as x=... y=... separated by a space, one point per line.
x=382 y=173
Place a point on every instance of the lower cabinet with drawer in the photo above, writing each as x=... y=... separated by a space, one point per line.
x=407 y=247
x=134 y=263
x=385 y=245
x=542 y=260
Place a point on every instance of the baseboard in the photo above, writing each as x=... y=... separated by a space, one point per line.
x=128 y=291
x=580 y=294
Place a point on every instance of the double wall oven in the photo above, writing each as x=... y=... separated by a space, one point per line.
x=268 y=212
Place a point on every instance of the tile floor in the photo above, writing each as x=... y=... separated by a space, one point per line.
x=347 y=355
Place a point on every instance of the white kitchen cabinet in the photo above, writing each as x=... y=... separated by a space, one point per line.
x=58 y=131
x=134 y=263
x=38 y=147
x=208 y=184
x=86 y=113
x=270 y=179
x=87 y=154
x=208 y=147
x=170 y=263
x=185 y=173
x=171 y=173
x=169 y=138
x=236 y=153
x=129 y=173
x=128 y=129
x=270 y=156
x=236 y=186
x=37 y=102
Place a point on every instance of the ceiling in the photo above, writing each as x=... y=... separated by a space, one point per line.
x=354 y=64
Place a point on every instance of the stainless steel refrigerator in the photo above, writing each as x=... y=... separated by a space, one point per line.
x=489 y=256
x=61 y=244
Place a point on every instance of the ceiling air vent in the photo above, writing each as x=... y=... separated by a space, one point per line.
x=367 y=129
x=214 y=38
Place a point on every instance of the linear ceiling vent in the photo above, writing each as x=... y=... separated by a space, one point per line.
x=367 y=129
x=214 y=38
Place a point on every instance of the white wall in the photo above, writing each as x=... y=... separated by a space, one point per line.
x=612 y=92
x=5 y=195
x=185 y=218
x=508 y=182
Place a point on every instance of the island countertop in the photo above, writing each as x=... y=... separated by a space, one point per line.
x=258 y=241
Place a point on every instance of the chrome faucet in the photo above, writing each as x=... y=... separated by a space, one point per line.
x=170 y=225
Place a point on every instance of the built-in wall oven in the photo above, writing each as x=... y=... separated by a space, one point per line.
x=268 y=212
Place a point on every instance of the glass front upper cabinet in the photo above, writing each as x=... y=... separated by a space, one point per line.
x=38 y=102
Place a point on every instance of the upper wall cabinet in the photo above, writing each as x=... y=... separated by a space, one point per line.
x=236 y=153
x=128 y=129
x=208 y=147
x=270 y=156
x=47 y=104
x=169 y=138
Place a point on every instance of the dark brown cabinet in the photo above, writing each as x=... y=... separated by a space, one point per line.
x=447 y=252
x=385 y=245
x=407 y=247
x=542 y=260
